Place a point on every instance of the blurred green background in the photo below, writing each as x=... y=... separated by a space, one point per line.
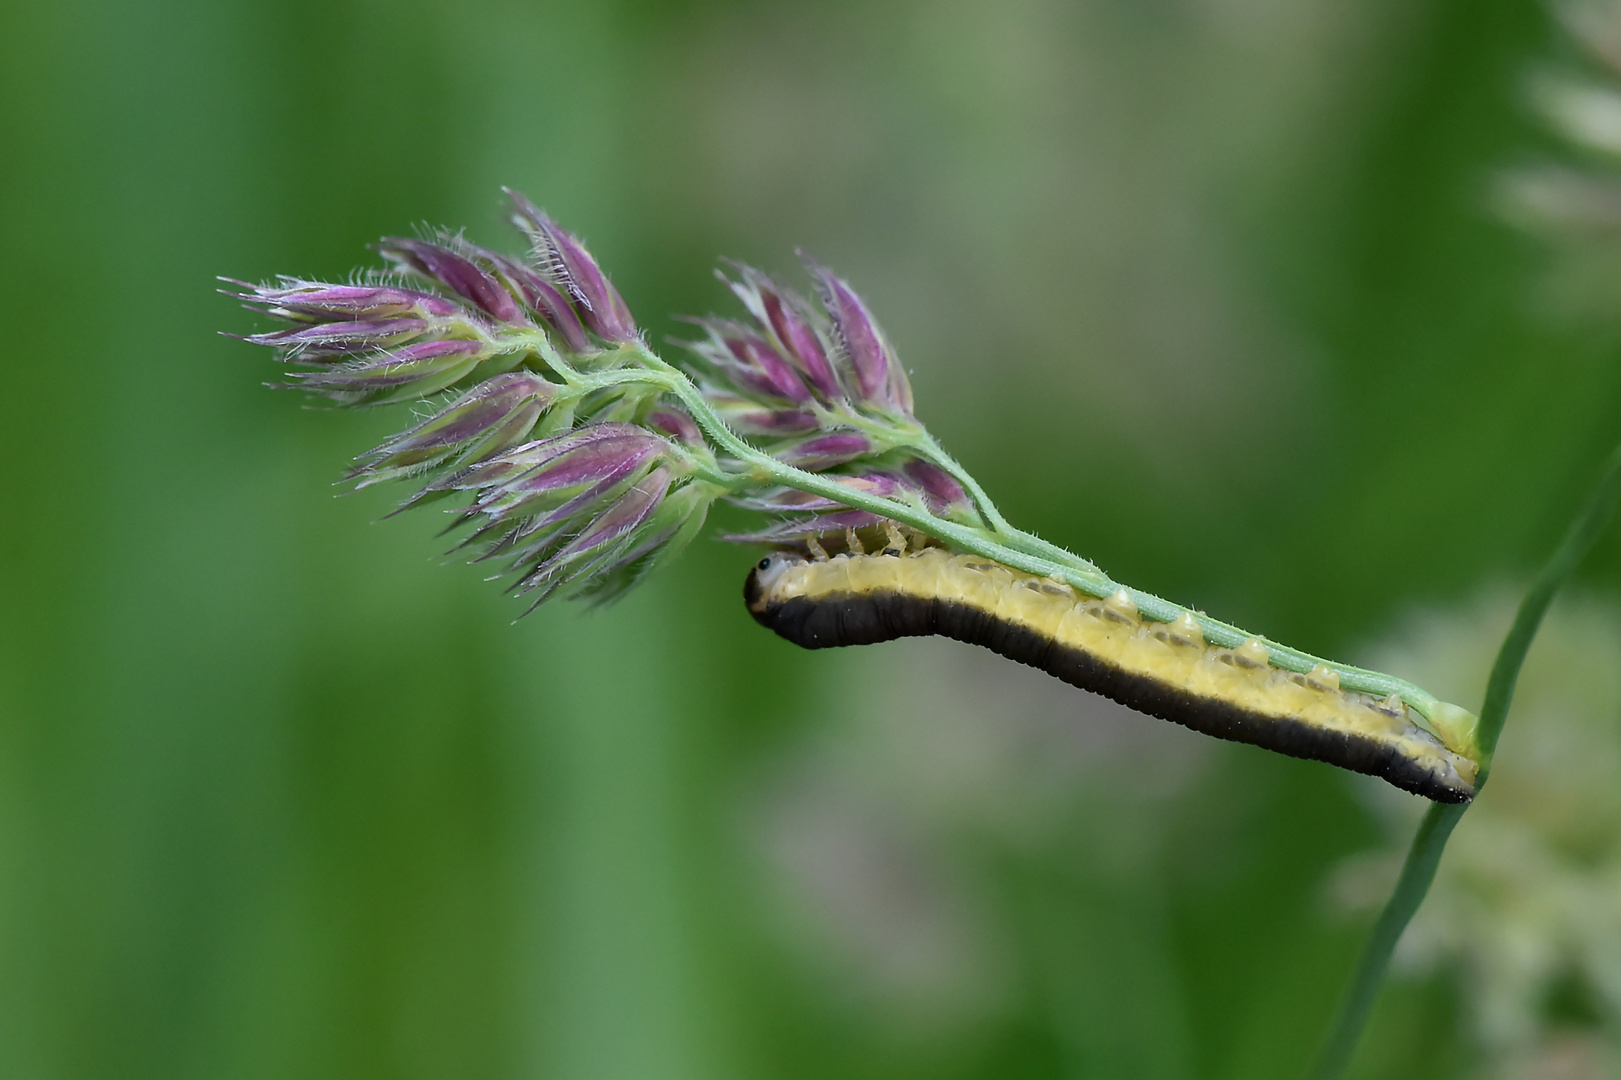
x=1208 y=290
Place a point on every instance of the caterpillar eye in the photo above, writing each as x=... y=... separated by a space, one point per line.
x=769 y=570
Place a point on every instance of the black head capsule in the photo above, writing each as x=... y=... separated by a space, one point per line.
x=764 y=575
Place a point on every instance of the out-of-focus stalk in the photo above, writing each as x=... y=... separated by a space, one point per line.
x=1418 y=871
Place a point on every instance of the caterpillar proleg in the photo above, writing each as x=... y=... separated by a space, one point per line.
x=1165 y=669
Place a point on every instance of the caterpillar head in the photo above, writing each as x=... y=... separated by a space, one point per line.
x=765 y=575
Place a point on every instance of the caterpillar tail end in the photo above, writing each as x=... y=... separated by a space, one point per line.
x=1456 y=727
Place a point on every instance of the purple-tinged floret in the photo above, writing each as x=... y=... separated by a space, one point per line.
x=762 y=368
x=798 y=530
x=879 y=376
x=311 y=301
x=552 y=306
x=750 y=417
x=441 y=361
x=782 y=314
x=570 y=265
x=825 y=451
x=608 y=458
x=499 y=470
x=628 y=512
x=456 y=272
x=490 y=418
x=340 y=338
x=786 y=499
x=940 y=488
x=676 y=423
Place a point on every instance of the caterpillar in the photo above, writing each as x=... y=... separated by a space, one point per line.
x=1165 y=669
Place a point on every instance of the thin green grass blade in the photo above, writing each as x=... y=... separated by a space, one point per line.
x=1425 y=855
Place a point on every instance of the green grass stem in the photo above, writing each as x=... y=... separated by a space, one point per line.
x=1425 y=855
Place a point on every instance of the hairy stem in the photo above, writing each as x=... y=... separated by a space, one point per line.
x=1425 y=855
x=936 y=454
x=1000 y=541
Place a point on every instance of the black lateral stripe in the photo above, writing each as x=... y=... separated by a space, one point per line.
x=868 y=618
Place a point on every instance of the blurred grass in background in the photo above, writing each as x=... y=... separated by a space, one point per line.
x=1207 y=291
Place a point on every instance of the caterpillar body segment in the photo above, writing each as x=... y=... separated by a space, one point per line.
x=1165 y=669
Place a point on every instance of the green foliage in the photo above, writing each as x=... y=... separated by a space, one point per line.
x=279 y=796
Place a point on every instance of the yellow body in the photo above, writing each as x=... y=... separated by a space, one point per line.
x=1174 y=653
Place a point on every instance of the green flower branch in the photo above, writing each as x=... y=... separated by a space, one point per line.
x=995 y=539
